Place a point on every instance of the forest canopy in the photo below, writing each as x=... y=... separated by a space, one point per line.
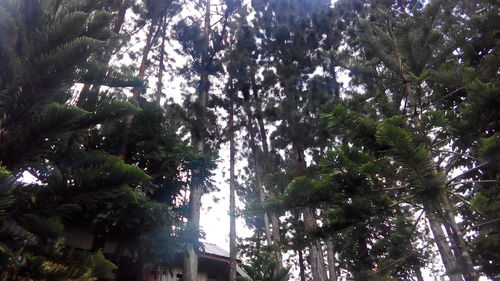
x=366 y=133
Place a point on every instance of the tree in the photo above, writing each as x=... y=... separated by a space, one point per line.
x=56 y=44
x=414 y=51
x=290 y=55
x=69 y=151
x=203 y=44
x=263 y=268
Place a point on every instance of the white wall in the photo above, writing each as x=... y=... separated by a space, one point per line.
x=171 y=275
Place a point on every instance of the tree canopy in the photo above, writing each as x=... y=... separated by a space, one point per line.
x=363 y=137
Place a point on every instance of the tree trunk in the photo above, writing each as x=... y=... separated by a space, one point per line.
x=277 y=240
x=444 y=249
x=122 y=152
x=267 y=226
x=418 y=274
x=315 y=251
x=275 y=235
x=464 y=259
x=150 y=38
x=302 y=267
x=190 y=263
x=258 y=171
x=147 y=49
x=190 y=272
x=159 y=85
x=191 y=260
x=117 y=26
x=232 y=203
x=330 y=254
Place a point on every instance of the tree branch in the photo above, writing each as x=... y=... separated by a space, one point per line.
x=480 y=181
x=467 y=203
x=466 y=172
x=456 y=153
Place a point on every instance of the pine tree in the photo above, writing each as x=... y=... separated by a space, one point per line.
x=240 y=67
x=412 y=51
x=291 y=54
x=56 y=44
x=203 y=44
x=45 y=50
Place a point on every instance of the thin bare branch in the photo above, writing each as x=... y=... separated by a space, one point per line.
x=466 y=172
x=484 y=223
x=443 y=97
x=467 y=203
x=480 y=181
x=456 y=153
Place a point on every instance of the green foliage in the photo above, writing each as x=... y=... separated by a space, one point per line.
x=78 y=182
x=416 y=128
x=358 y=129
x=263 y=268
x=413 y=158
x=5 y=187
x=101 y=267
x=478 y=113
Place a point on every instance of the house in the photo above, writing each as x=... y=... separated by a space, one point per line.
x=213 y=265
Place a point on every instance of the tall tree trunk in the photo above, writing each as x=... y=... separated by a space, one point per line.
x=443 y=248
x=276 y=240
x=190 y=272
x=302 y=267
x=150 y=38
x=267 y=226
x=418 y=274
x=467 y=269
x=147 y=48
x=88 y=96
x=258 y=170
x=191 y=260
x=275 y=234
x=315 y=251
x=232 y=203
x=117 y=26
x=159 y=85
x=330 y=255
x=122 y=152
x=464 y=258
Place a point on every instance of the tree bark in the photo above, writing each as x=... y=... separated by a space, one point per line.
x=275 y=234
x=117 y=26
x=232 y=203
x=418 y=274
x=277 y=240
x=315 y=251
x=302 y=267
x=330 y=254
x=137 y=92
x=258 y=171
x=464 y=259
x=147 y=49
x=159 y=85
x=267 y=226
x=444 y=249
x=191 y=260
